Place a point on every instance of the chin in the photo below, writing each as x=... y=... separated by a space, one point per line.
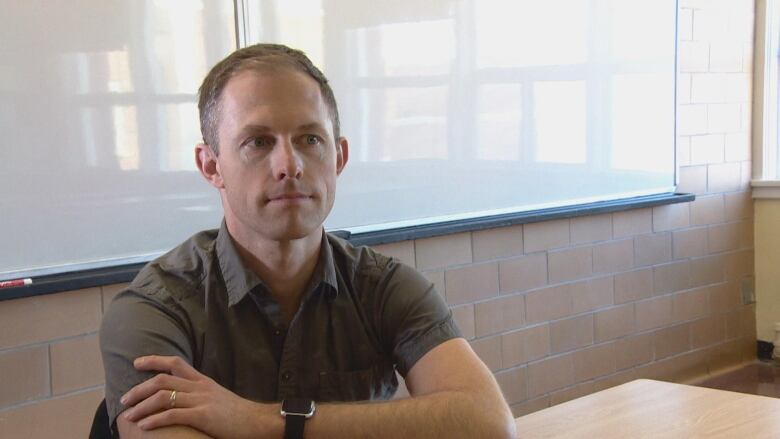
x=294 y=231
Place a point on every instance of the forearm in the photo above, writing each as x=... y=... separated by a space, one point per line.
x=454 y=395
x=131 y=430
x=451 y=414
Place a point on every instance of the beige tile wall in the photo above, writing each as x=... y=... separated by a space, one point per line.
x=557 y=309
x=51 y=374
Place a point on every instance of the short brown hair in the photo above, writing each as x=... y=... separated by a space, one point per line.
x=255 y=56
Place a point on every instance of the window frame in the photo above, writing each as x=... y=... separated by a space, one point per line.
x=764 y=130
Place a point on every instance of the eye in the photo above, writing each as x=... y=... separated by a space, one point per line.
x=311 y=139
x=261 y=142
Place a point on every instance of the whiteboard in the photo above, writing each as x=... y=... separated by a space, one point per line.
x=454 y=109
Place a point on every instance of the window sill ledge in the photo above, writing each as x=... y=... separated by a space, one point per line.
x=489 y=222
x=125 y=273
x=766 y=189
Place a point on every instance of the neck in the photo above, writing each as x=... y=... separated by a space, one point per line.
x=284 y=266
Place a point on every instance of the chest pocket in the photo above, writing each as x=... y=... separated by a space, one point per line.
x=378 y=382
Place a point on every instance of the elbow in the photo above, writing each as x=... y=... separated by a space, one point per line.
x=483 y=423
x=496 y=429
x=498 y=424
x=511 y=429
x=505 y=427
x=503 y=423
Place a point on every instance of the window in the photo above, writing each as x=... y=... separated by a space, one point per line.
x=766 y=181
x=458 y=110
x=99 y=117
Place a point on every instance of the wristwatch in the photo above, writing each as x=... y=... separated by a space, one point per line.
x=295 y=412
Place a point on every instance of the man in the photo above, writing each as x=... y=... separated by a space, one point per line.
x=256 y=329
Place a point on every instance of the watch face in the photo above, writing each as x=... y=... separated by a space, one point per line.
x=298 y=406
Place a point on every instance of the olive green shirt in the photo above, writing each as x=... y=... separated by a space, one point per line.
x=362 y=316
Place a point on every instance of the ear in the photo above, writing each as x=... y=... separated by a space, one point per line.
x=206 y=160
x=342 y=154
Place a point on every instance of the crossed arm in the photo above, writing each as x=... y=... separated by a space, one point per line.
x=453 y=395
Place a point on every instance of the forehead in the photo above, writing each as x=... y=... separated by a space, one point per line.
x=274 y=96
x=258 y=85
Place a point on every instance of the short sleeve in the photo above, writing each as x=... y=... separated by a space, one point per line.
x=136 y=325
x=414 y=316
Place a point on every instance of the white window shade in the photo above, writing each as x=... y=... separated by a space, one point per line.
x=462 y=109
x=455 y=109
x=99 y=120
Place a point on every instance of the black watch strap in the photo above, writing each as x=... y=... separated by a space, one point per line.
x=293 y=426
x=295 y=412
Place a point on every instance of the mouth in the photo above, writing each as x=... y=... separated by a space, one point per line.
x=288 y=197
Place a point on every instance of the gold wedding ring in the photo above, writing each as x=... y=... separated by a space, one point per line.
x=172 y=399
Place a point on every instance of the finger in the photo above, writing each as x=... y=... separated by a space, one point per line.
x=170 y=364
x=178 y=416
x=159 y=382
x=156 y=403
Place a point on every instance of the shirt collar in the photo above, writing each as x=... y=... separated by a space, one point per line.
x=239 y=280
x=327 y=265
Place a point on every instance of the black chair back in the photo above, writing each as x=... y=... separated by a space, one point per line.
x=100 y=428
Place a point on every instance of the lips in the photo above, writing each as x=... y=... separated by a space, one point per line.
x=288 y=197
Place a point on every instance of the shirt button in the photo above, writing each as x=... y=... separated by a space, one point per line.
x=286 y=376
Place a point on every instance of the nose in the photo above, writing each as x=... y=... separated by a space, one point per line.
x=286 y=161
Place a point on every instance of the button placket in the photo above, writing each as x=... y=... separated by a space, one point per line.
x=288 y=365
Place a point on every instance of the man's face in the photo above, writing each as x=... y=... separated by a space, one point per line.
x=278 y=161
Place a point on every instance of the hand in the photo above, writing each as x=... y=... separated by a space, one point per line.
x=200 y=403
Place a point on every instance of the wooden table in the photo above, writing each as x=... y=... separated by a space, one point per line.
x=656 y=409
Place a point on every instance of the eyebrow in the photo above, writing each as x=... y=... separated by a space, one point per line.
x=314 y=126
x=252 y=127
x=264 y=129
